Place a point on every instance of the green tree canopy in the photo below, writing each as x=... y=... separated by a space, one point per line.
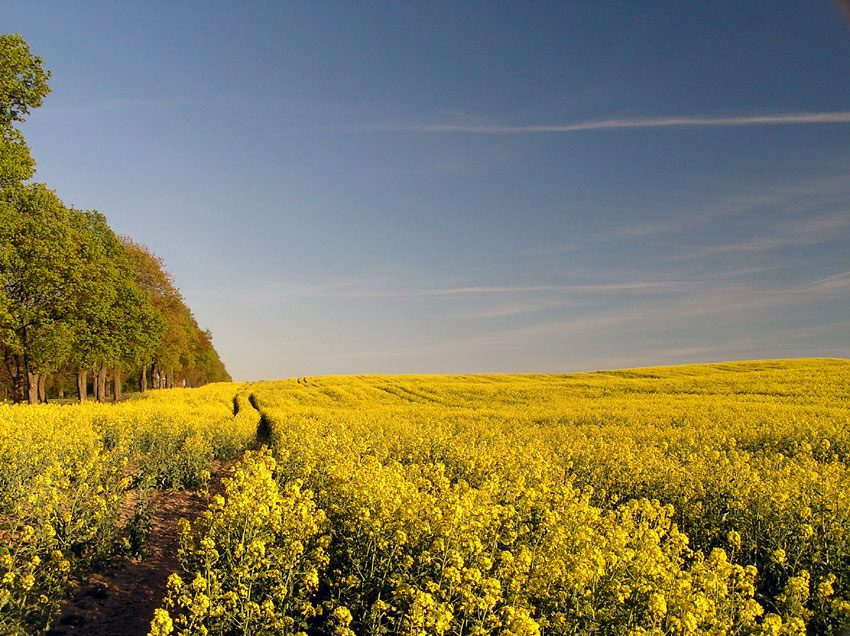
x=36 y=276
x=23 y=85
x=185 y=351
x=115 y=324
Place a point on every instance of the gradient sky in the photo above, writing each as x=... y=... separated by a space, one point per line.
x=362 y=187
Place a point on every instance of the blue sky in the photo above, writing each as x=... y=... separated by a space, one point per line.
x=466 y=187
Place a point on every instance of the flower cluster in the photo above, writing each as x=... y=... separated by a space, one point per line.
x=253 y=559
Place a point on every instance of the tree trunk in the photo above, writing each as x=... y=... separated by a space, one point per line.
x=143 y=379
x=116 y=384
x=161 y=379
x=24 y=369
x=15 y=368
x=101 y=383
x=42 y=394
x=101 y=389
x=32 y=385
x=81 y=385
x=61 y=388
x=18 y=386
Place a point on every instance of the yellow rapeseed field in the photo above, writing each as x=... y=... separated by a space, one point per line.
x=681 y=500
x=692 y=500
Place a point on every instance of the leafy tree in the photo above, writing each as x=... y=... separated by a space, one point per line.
x=139 y=327
x=202 y=364
x=29 y=331
x=151 y=276
x=208 y=365
x=94 y=296
x=23 y=85
x=36 y=273
x=115 y=325
x=5 y=376
x=185 y=353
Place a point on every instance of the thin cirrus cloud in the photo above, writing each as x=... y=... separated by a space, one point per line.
x=801 y=232
x=702 y=304
x=780 y=119
x=837 y=283
x=378 y=289
x=590 y=288
x=798 y=198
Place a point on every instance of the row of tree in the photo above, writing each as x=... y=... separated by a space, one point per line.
x=74 y=297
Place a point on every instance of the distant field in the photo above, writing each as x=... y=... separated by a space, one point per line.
x=708 y=499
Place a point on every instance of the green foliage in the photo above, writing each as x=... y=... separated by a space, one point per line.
x=36 y=256
x=16 y=163
x=184 y=350
x=23 y=79
x=115 y=322
x=23 y=84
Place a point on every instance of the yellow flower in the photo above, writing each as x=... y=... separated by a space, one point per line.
x=161 y=625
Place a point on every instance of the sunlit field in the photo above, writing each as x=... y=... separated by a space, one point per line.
x=699 y=499
x=706 y=499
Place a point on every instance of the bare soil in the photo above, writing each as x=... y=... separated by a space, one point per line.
x=120 y=599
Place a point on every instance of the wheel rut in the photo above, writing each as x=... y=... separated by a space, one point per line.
x=120 y=599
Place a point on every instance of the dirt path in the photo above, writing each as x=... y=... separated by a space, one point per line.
x=120 y=600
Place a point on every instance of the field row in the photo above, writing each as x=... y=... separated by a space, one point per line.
x=68 y=475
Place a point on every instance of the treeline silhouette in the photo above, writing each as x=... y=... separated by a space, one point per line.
x=81 y=309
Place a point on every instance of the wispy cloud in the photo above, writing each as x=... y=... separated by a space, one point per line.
x=377 y=289
x=274 y=292
x=660 y=286
x=837 y=283
x=780 y=119
x=738 y=273
x=514 y=309
x=706 y=319
x=814 y=230
x=701 y=305
x=800 y=197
